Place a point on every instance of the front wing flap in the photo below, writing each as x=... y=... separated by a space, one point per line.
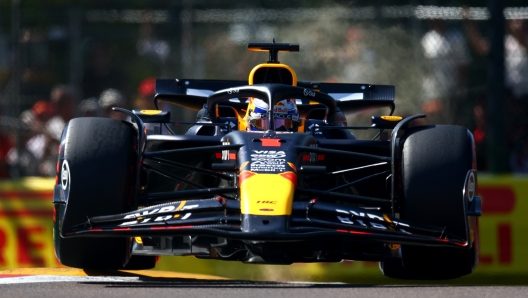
x=221 y=217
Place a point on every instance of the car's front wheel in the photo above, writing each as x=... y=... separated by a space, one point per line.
x=435 y=163
x=97 y=169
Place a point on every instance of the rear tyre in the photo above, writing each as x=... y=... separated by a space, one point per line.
x=100 y=157
x=435 y=162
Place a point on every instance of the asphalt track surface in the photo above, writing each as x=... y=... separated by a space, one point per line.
x=77 y=283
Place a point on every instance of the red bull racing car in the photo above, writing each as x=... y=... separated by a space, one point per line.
x=269 y=173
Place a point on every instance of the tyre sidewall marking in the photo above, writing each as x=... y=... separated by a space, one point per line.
x=65 y=178
x=470 y=186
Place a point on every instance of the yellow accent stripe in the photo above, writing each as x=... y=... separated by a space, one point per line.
x=182 y=203
x=244 y=165
x=387 y=218
x=392 y=118
x=272 y=65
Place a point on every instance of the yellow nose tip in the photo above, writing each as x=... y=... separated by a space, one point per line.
x=267 y=194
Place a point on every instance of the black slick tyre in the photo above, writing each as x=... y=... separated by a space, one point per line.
x=99 y=156
x=435 y=162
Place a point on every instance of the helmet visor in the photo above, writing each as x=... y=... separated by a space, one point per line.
x=259 y=124
x=286 y=123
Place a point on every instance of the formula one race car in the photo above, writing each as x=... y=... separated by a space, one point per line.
x=269 y=173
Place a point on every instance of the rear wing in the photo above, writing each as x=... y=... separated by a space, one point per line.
x=350 y=98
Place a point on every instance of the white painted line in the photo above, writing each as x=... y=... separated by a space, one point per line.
x=58 y=278
x=315 y=283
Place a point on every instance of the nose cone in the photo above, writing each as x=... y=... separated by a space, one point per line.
x=267 y=194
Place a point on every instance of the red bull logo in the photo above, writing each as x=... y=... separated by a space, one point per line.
x=280 y=109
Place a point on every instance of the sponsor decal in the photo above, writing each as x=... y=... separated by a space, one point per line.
x=286 y=116
x=232 y=91
x=268 y=161
x=145 y=216
x=280 y=109
x=367 y=220
x=309 y=93
x=268 y=154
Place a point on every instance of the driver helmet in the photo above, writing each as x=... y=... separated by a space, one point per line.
x=285 y=114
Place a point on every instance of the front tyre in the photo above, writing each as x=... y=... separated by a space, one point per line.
x=97 y=170
x=435 y=163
